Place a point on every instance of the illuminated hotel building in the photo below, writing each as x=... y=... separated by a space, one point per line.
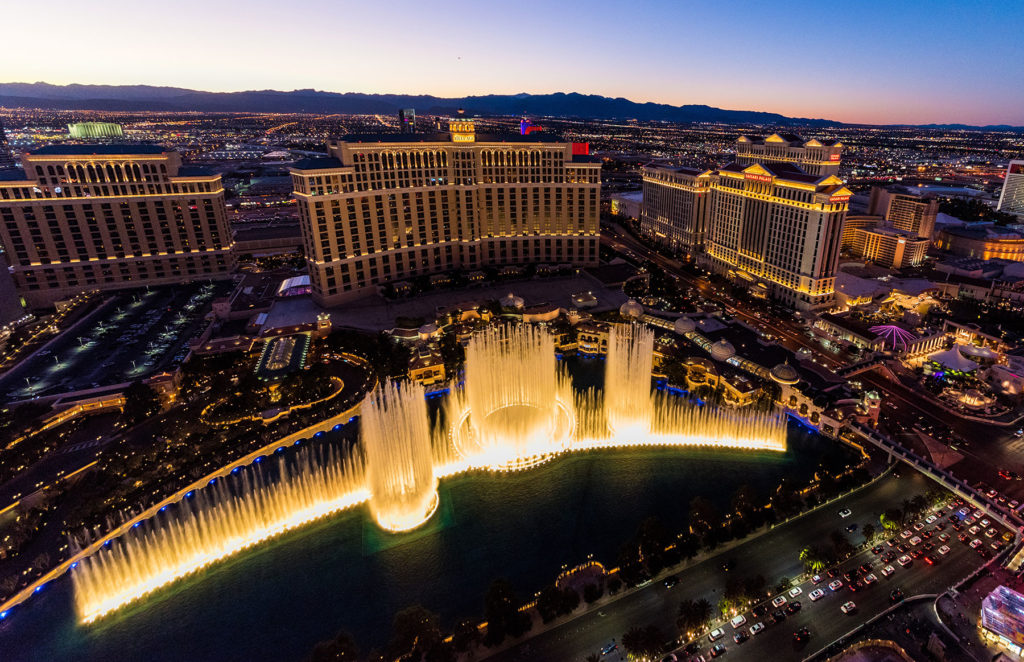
x=778 y=229
x=1011 y=200
x=386 y=208
x=905 y=210
x=889 y=247
x=6 y=158
x=674 y=206
x=101 y=217
x=813 y=156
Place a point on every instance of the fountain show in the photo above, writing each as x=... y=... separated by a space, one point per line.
x=515 y=407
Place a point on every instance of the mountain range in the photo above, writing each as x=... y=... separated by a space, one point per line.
x=583 y=106
x=569 y=105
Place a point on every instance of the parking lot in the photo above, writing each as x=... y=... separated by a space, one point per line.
x=137 y=333
x=906 y=564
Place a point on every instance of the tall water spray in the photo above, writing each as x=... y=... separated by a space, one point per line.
x=515 y=406
x=627 y=381
x=235 y=513
x=396 y=439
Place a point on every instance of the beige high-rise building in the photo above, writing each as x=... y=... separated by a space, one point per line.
x=815 y=157
x=100 y=217
x=889 y=247
x=904 y=210
x=674 y=206
x=387 y=208
x=777 y=229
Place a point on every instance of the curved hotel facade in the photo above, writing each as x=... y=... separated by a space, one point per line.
x=386 y=208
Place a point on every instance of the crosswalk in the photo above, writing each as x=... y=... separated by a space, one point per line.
x=83 y=445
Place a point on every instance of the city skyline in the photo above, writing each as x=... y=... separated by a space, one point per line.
x=919 y=65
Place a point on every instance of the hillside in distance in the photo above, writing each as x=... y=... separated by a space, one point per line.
x=574 y=105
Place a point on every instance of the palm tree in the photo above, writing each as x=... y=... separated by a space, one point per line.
x=813 y=559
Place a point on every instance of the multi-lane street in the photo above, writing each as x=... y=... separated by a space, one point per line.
x=773 y=555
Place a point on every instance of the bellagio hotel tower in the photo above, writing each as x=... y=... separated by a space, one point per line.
x=385 y=208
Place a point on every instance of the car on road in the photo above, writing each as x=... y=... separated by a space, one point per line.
x=943 y=550
x=974 y=530
x=817 y=579
x=845 y=512
x=671 y=581
x=778 y=616
x=906 y=534
x=916 y=540
x=740 y=637
x=801 y=635
x=930 y=519
x=944 y=537
x=717 y=650
x=855 y=585
x=816 y=594
x=793 y=607
x=795 y=591
x=905 y=561
x=990 y=533
x=609 y=648
x=929 y=559
x=964 y=538
x=876 y=550
x=865 y=566
x=888 y=570
x=851 y=528
x=716 y=634
x=738 y=621
x=896 y=595
x=757 y=628
x=848 y=607
x=975 y=544
x=918 y=526
x=781 y=599
x=835 y=585
x=870 y=579
x=760 y=611
x=916 y=553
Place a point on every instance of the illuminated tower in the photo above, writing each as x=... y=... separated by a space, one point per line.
x=6 y=158
x=776 y=227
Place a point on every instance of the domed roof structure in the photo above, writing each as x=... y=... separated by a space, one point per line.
x=722 y=350
x=684 y=325
x=784 y=374
x=631 y=309
x=512 y=301
x=427 y=331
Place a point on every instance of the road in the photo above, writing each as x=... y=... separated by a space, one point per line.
x=987 y=448
x=773 y=555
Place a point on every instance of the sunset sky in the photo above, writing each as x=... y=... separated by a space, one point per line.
x=859 y=61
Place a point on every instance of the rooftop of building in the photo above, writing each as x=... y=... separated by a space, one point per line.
x=984 y=232
x=106 y=150
x=893 y=232
x=318 y=163
x=445 y=137
x=12 y=175
x=683 y=170
x=195 y=171
x=791 y=138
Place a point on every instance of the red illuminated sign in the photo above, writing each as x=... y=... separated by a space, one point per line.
x=580 y=149
x=757 y=178
x=833 y=157
x=839 y=198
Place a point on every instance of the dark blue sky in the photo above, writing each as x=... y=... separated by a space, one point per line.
x=858 y=61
